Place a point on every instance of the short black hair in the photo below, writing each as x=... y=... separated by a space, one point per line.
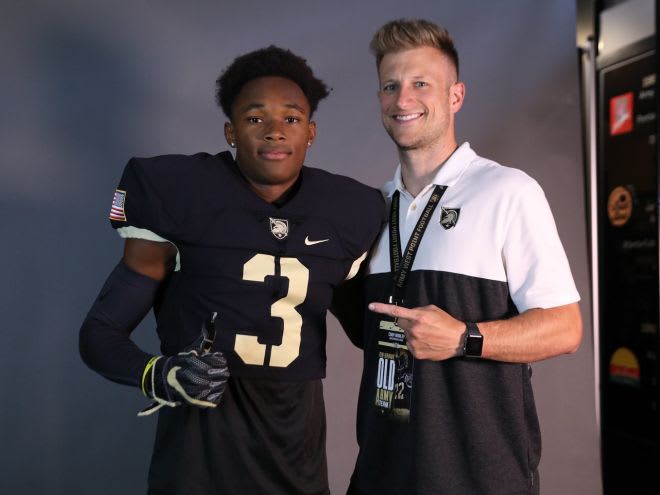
x=269 y=61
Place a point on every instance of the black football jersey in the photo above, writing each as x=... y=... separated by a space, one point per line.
x=267 y=270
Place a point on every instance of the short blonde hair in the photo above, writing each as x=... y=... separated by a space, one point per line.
x=404 y=34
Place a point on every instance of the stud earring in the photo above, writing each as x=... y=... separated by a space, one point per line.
x=232 y=144
x=309 y=143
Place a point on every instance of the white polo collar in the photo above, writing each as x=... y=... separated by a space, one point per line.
x=448 y=175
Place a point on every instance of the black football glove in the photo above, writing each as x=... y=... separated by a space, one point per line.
x=195 y=376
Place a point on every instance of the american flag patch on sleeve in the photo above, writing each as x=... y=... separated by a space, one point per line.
x=117 y=208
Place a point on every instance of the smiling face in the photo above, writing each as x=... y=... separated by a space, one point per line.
x=419 y=96
x=271 y=129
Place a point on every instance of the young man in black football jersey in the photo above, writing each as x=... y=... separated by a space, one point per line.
x=239 y=259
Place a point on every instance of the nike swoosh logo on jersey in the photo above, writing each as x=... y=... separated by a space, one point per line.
x=311 y=243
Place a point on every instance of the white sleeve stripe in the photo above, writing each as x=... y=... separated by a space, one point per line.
x=356 y=266
x=129 y=232
x=137 y=233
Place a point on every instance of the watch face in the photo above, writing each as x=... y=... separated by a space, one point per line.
x=473 y=345
x=474 y=341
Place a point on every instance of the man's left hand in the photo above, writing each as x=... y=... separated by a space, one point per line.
x=431 y=333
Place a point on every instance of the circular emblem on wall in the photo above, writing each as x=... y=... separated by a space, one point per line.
x=619 y=206
x=624 y=367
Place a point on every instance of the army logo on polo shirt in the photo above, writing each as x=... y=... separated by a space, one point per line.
x=279 y=227
x=449 y=217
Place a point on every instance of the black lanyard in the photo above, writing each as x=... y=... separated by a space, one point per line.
x=401 y=267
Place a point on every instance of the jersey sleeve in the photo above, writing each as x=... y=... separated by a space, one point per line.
x=537 y=270
x=140 y=206
x=367 y=218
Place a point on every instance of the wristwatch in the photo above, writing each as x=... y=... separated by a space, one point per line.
x=474 y=340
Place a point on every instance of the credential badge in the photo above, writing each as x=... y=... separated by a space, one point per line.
x=449 y=217
x=279 y=227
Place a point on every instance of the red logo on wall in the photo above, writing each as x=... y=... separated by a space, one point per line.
x=621 y=114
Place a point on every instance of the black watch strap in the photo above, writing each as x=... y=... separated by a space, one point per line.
x=474 y=340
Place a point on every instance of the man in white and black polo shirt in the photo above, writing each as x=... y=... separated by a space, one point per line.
x=478 y=286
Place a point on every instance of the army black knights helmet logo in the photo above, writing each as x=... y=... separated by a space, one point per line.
x=279 y=227
x=449 y=217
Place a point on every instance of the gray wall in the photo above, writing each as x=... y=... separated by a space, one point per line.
x=86 y=85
